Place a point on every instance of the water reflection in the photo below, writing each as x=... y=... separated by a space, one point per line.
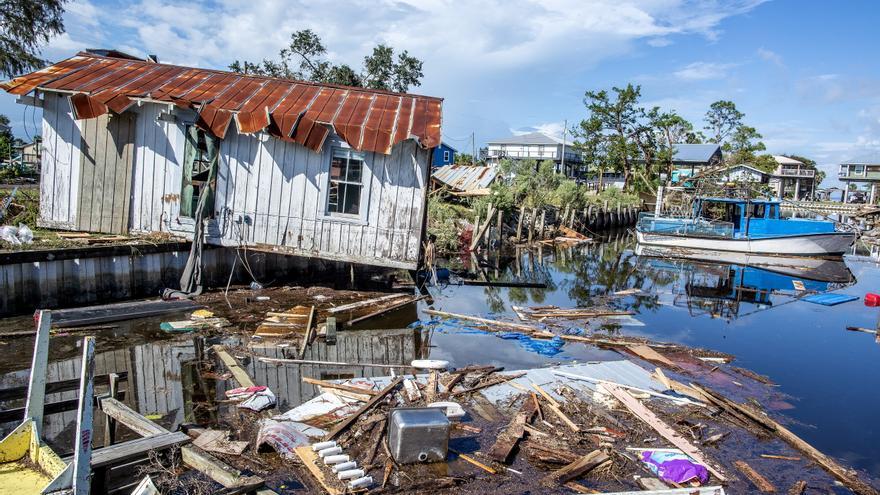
x=728 y=285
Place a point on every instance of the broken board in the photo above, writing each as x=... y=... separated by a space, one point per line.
x=310 y=459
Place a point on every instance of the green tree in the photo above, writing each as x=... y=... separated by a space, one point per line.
x=615 y=120
x=671 y=129
x=722 y=120
x=7 y=141
x=744 y=145
x=26 y=25
x=304 y=59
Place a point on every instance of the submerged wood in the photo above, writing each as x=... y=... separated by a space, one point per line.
x=515 y=430
x=845 y=476
x=755 y=477
x=360 y=304
x=382 y=311
x=444 y=314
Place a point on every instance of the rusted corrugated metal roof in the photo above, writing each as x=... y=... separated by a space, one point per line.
x=465 y=178
x=303 y=112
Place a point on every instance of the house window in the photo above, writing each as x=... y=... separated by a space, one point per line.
x=445 y=157
x=199 y=172
x=346 y=182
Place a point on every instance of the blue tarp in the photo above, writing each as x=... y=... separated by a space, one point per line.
x=830 y=299
x=544 y=347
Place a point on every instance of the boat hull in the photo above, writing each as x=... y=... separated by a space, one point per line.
x=825 y=244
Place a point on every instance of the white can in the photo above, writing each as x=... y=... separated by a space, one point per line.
x=323 y=445
x=360 y=483
x=345 y=466
x=335 y=459
x=351 y=474
x=330 y=451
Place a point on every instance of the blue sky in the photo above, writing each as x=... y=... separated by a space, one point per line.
x=804 y=72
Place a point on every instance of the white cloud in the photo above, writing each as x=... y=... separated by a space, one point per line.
x=701 y=71
x=659 y=42
x=771 y=56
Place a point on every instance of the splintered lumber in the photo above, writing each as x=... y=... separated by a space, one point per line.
x=548 y=454
x=361 y=304
x=780 y=457
x=192 y=456
x=231 y=363
x=473 y=461
x=798 y=488
x=345 y=423
x=310 y=459
x=307 y=339
x=755 y=477
x=578 y=468
x=648 y=417
x=486 y=321
x=554 y=406
x=384 y=310
x=515 y=430
x=375 y=440
x=489 y=383
x=338 y=386
x=577 y=487
x=845 y=476
x=573 y=233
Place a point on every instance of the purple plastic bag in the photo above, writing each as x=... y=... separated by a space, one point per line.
x=675 y=467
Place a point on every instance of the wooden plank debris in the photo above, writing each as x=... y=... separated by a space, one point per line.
x=489 y=383
x=649 y=354
x=382 y=311
x=798 y=488
x=845 y=476
x=486 y=321
x=780 y=457
x=556 y=408
x=307 y=338
x=218 y=441
x=755 y=477
x=507 y=439
x=345 y=423
x=474 y=462
x=648 y=417
x=578 y=468
x=139 y=447
x=367 y=302
x=237 y=371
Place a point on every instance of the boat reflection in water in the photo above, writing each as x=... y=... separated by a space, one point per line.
x=719 y=283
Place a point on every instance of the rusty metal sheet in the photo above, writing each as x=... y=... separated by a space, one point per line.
x=303 y=112
x=466 y=178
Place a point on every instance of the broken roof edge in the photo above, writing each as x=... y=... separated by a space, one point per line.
x=8 y=84
x=395 y=125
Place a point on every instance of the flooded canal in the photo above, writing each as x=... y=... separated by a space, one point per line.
x=830 y=375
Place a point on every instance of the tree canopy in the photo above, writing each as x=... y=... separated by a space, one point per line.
x=304 y=59
x=26 y=25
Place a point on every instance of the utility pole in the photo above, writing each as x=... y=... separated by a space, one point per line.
x=564 y=130
x=473 y=148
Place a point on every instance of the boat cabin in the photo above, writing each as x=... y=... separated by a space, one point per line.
x=754 y=218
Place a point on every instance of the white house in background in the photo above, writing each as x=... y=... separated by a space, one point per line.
x=537 y=146
x=745 y=173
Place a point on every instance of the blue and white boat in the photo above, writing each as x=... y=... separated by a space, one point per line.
x=744 y=226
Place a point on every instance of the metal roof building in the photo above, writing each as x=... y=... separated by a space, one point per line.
x=695 y=154
x=466 y=180
x=316 y=170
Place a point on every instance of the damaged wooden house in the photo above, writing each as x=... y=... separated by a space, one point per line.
x=132 y=146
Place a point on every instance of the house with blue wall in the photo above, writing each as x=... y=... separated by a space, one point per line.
x=443 y=155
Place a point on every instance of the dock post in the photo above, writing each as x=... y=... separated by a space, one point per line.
x=37 y=385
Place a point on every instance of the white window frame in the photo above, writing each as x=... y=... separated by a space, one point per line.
x=366 y=180
x=446 y=156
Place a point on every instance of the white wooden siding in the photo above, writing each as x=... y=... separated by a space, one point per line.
x=270 y=194
x=59 y=179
